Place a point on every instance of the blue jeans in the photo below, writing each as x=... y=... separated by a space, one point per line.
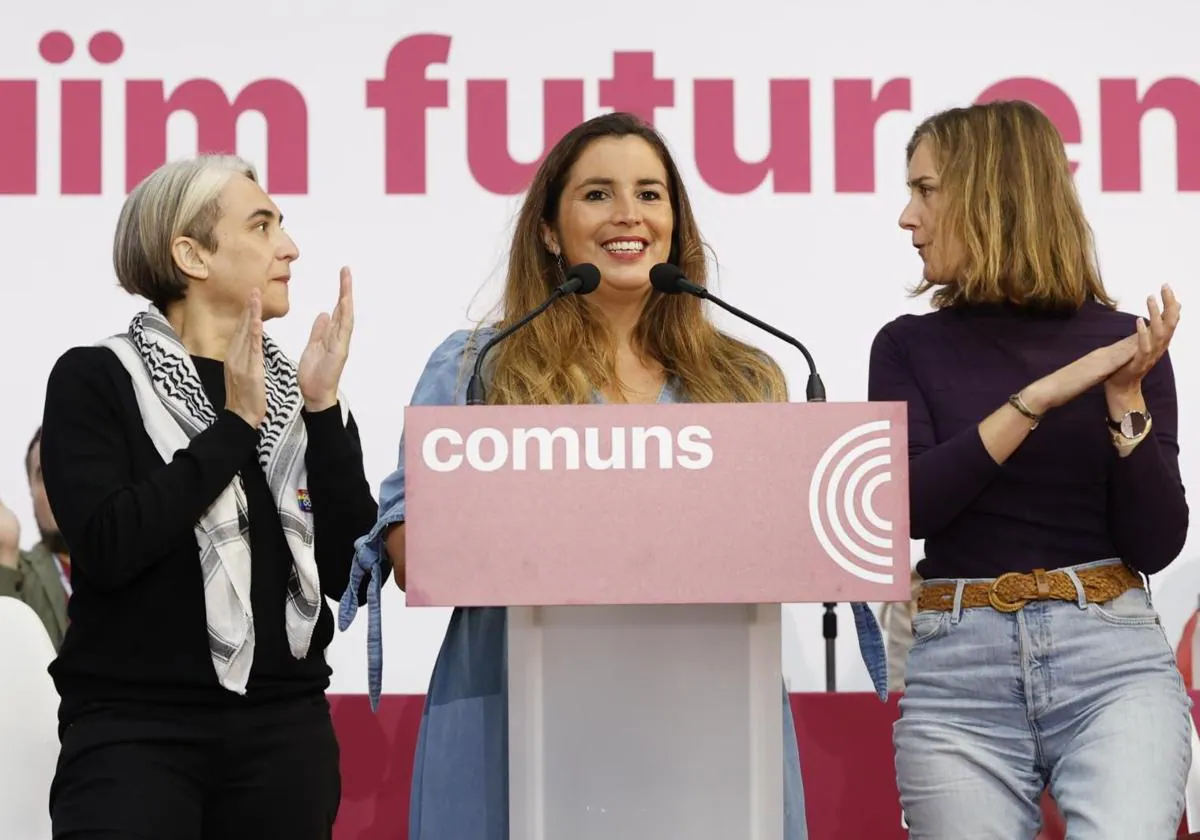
x=1083 y=697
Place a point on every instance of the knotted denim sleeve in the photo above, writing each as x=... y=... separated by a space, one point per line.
x=443 y=382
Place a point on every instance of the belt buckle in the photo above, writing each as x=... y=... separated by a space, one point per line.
x=1005 y=606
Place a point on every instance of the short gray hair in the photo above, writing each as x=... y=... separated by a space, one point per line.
x=180 y=198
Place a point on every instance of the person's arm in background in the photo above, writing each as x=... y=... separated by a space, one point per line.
x=896 y=617
x=18 y=578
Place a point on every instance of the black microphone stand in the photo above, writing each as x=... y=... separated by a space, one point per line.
x=581 y=279
x=829 y=631
x=475 y=393
x=815 y=392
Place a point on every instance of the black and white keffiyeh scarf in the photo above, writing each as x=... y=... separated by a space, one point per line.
x=174 y=409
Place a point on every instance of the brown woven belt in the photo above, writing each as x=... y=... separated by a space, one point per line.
x=1009 y=593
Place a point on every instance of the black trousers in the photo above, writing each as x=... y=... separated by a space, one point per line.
x=263 y=772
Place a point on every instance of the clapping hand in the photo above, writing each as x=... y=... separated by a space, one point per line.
x=1120 y=365
x=1153 y=339
x=328 y=347
x=245 y=375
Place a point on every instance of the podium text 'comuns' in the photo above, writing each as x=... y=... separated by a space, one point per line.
x=488 y=449
x=516 y=504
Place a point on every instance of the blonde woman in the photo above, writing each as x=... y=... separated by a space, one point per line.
x=1044 y=479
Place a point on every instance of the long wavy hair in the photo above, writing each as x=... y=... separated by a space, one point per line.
x=568 y=353
x=1010 y=202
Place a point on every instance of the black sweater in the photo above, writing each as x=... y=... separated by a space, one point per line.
x=138 y=631
x=1064 y=497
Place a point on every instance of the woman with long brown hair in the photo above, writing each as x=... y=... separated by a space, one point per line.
x=1044 y=479
x=608 y=194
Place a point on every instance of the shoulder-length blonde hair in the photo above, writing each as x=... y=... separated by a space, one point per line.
x=566 y=354
x=1010 y=206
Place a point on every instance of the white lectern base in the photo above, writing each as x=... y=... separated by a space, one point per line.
x=645 y=722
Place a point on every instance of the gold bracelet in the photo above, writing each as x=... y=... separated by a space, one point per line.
x=1019 y=404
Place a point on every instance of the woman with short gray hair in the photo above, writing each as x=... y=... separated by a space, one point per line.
x=193 y=672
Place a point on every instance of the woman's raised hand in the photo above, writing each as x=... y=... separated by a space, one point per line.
x=324 y=358
x=245 y=374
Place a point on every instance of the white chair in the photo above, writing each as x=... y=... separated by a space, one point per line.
x=28 y=723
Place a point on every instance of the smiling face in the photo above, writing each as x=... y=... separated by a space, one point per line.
x=920 y=217
x=250 y=250
x=615 y=211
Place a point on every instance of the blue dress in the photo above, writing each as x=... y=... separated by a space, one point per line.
x=460 y=770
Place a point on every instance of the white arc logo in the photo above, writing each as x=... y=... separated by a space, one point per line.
x=845 y=492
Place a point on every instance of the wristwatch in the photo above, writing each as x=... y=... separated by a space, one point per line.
x=1132 y=426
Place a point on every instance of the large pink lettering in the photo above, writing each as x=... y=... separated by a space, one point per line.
x=488 y=156
x=405 y=94
x=281 y=105
x=633 y=87
x=789 y=156
x=1121 y=113
x=18 y=120
x=82 y=130
x=856 y=112
x=18 y=138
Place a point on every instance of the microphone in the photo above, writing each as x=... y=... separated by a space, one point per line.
x=581 y=279
x=670 y=280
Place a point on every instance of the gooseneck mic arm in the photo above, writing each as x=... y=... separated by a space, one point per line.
x=815 y=390
x=669 y=279
x=581 y=279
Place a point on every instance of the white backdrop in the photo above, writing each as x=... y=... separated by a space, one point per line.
x=824 y=263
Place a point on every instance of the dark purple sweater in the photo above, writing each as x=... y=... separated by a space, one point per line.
x=1064 y=497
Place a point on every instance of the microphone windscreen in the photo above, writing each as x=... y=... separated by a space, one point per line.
x=665 y=278
x=587 y=275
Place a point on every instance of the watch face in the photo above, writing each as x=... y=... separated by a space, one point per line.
x=1133 y=424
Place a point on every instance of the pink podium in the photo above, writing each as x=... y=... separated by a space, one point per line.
x=643 y=552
